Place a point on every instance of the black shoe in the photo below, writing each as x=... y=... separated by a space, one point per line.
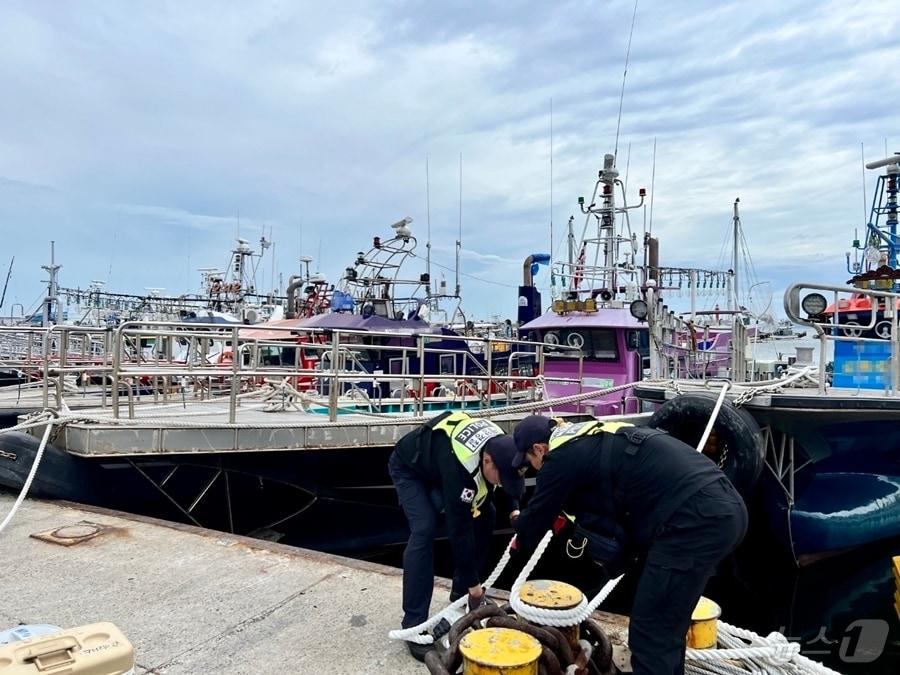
x=419 y=651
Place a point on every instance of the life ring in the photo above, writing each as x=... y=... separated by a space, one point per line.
x=551 y=338
x=851 y=329
x=883 y=330
x=736 y=442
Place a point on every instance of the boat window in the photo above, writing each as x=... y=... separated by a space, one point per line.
x=381 y=308
x=604 y=346
x=639 y=341
x=448 y=364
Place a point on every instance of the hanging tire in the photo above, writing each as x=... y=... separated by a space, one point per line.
x=736 y=442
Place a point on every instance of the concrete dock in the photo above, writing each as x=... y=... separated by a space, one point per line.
x=198 y=601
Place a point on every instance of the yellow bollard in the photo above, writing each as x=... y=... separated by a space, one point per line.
x=703 y=632
x=550 y=594
x=492 y=651
x=897 y=580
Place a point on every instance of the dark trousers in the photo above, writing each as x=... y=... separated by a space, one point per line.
x=422 y=503
x=680 y=560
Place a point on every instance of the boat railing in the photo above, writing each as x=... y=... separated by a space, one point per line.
x=37 y=353
x=830 y=327
x=163 y=360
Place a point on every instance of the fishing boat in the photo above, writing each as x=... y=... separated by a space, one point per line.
x=826 y=433
x=597 y=318
x=380 y=306
x=276 y=429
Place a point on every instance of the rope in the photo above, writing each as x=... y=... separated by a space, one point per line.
x=414 y=634
x=34 y=467
x=712 y=418
x=554 y=617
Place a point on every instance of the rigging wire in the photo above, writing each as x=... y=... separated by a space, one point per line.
x=465 y=274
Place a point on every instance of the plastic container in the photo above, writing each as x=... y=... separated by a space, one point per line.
x=95 y=649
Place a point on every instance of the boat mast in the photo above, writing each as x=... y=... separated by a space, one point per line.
x=459 y=236
x=52 y=286
x=428 y=218
x=608 y=222
x=734 y=254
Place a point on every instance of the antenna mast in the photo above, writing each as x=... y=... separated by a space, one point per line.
x=734 y=254
x=624 y=75
x=459 y=235
x=652 y=188
x=428 y=218
x=6 y=285
x=552 y=242
x=862 y=155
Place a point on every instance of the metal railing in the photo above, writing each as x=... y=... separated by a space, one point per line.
x=830 y=328
x=138 y=360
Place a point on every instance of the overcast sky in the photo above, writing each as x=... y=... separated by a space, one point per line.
x=143 y=136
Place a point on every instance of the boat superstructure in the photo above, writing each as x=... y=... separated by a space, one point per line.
x=599 y=309
x=826 y=421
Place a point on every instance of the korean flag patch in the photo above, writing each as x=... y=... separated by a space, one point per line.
x=468 y=494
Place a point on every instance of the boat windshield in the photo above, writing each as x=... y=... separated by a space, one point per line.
x=598 y=344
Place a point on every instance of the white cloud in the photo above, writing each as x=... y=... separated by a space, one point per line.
x=159 y=120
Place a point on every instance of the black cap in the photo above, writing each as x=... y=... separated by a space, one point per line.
x=502 y=450
x=533 y=429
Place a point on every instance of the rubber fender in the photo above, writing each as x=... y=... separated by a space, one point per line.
x=60 y=475
x=685 y=417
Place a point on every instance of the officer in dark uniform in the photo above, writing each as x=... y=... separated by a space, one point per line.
x=450 y=466
x=635 y=492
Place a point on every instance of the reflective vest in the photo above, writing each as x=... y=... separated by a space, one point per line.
x=563 y=433
x=468 y=436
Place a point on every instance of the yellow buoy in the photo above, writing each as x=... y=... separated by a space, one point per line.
x=491 y=651
x=702 y=633
x=550 y=594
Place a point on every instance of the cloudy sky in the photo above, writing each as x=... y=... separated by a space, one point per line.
x=142 y=137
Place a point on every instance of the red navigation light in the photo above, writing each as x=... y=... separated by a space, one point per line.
x=642 y=192
x=376 y=242
x=607 y=189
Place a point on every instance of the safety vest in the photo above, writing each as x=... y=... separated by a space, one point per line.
x=563 y=433
x=468 y=436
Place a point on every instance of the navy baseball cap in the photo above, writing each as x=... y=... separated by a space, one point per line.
x=502 y=450
x=533 y=429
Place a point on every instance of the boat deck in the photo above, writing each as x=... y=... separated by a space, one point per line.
x=809 y=398
x=203 y=428
x=197 y=601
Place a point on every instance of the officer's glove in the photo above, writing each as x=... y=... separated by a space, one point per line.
x=476 y=601
x=560 y=524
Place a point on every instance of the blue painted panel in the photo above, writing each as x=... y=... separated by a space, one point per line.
x=863 y=365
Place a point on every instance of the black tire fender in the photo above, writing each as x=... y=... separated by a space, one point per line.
x=685 y=417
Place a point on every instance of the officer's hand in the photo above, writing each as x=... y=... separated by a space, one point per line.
x=477 y=597
x=513 y=517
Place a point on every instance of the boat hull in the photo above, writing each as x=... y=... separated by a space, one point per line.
x=840 y=488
